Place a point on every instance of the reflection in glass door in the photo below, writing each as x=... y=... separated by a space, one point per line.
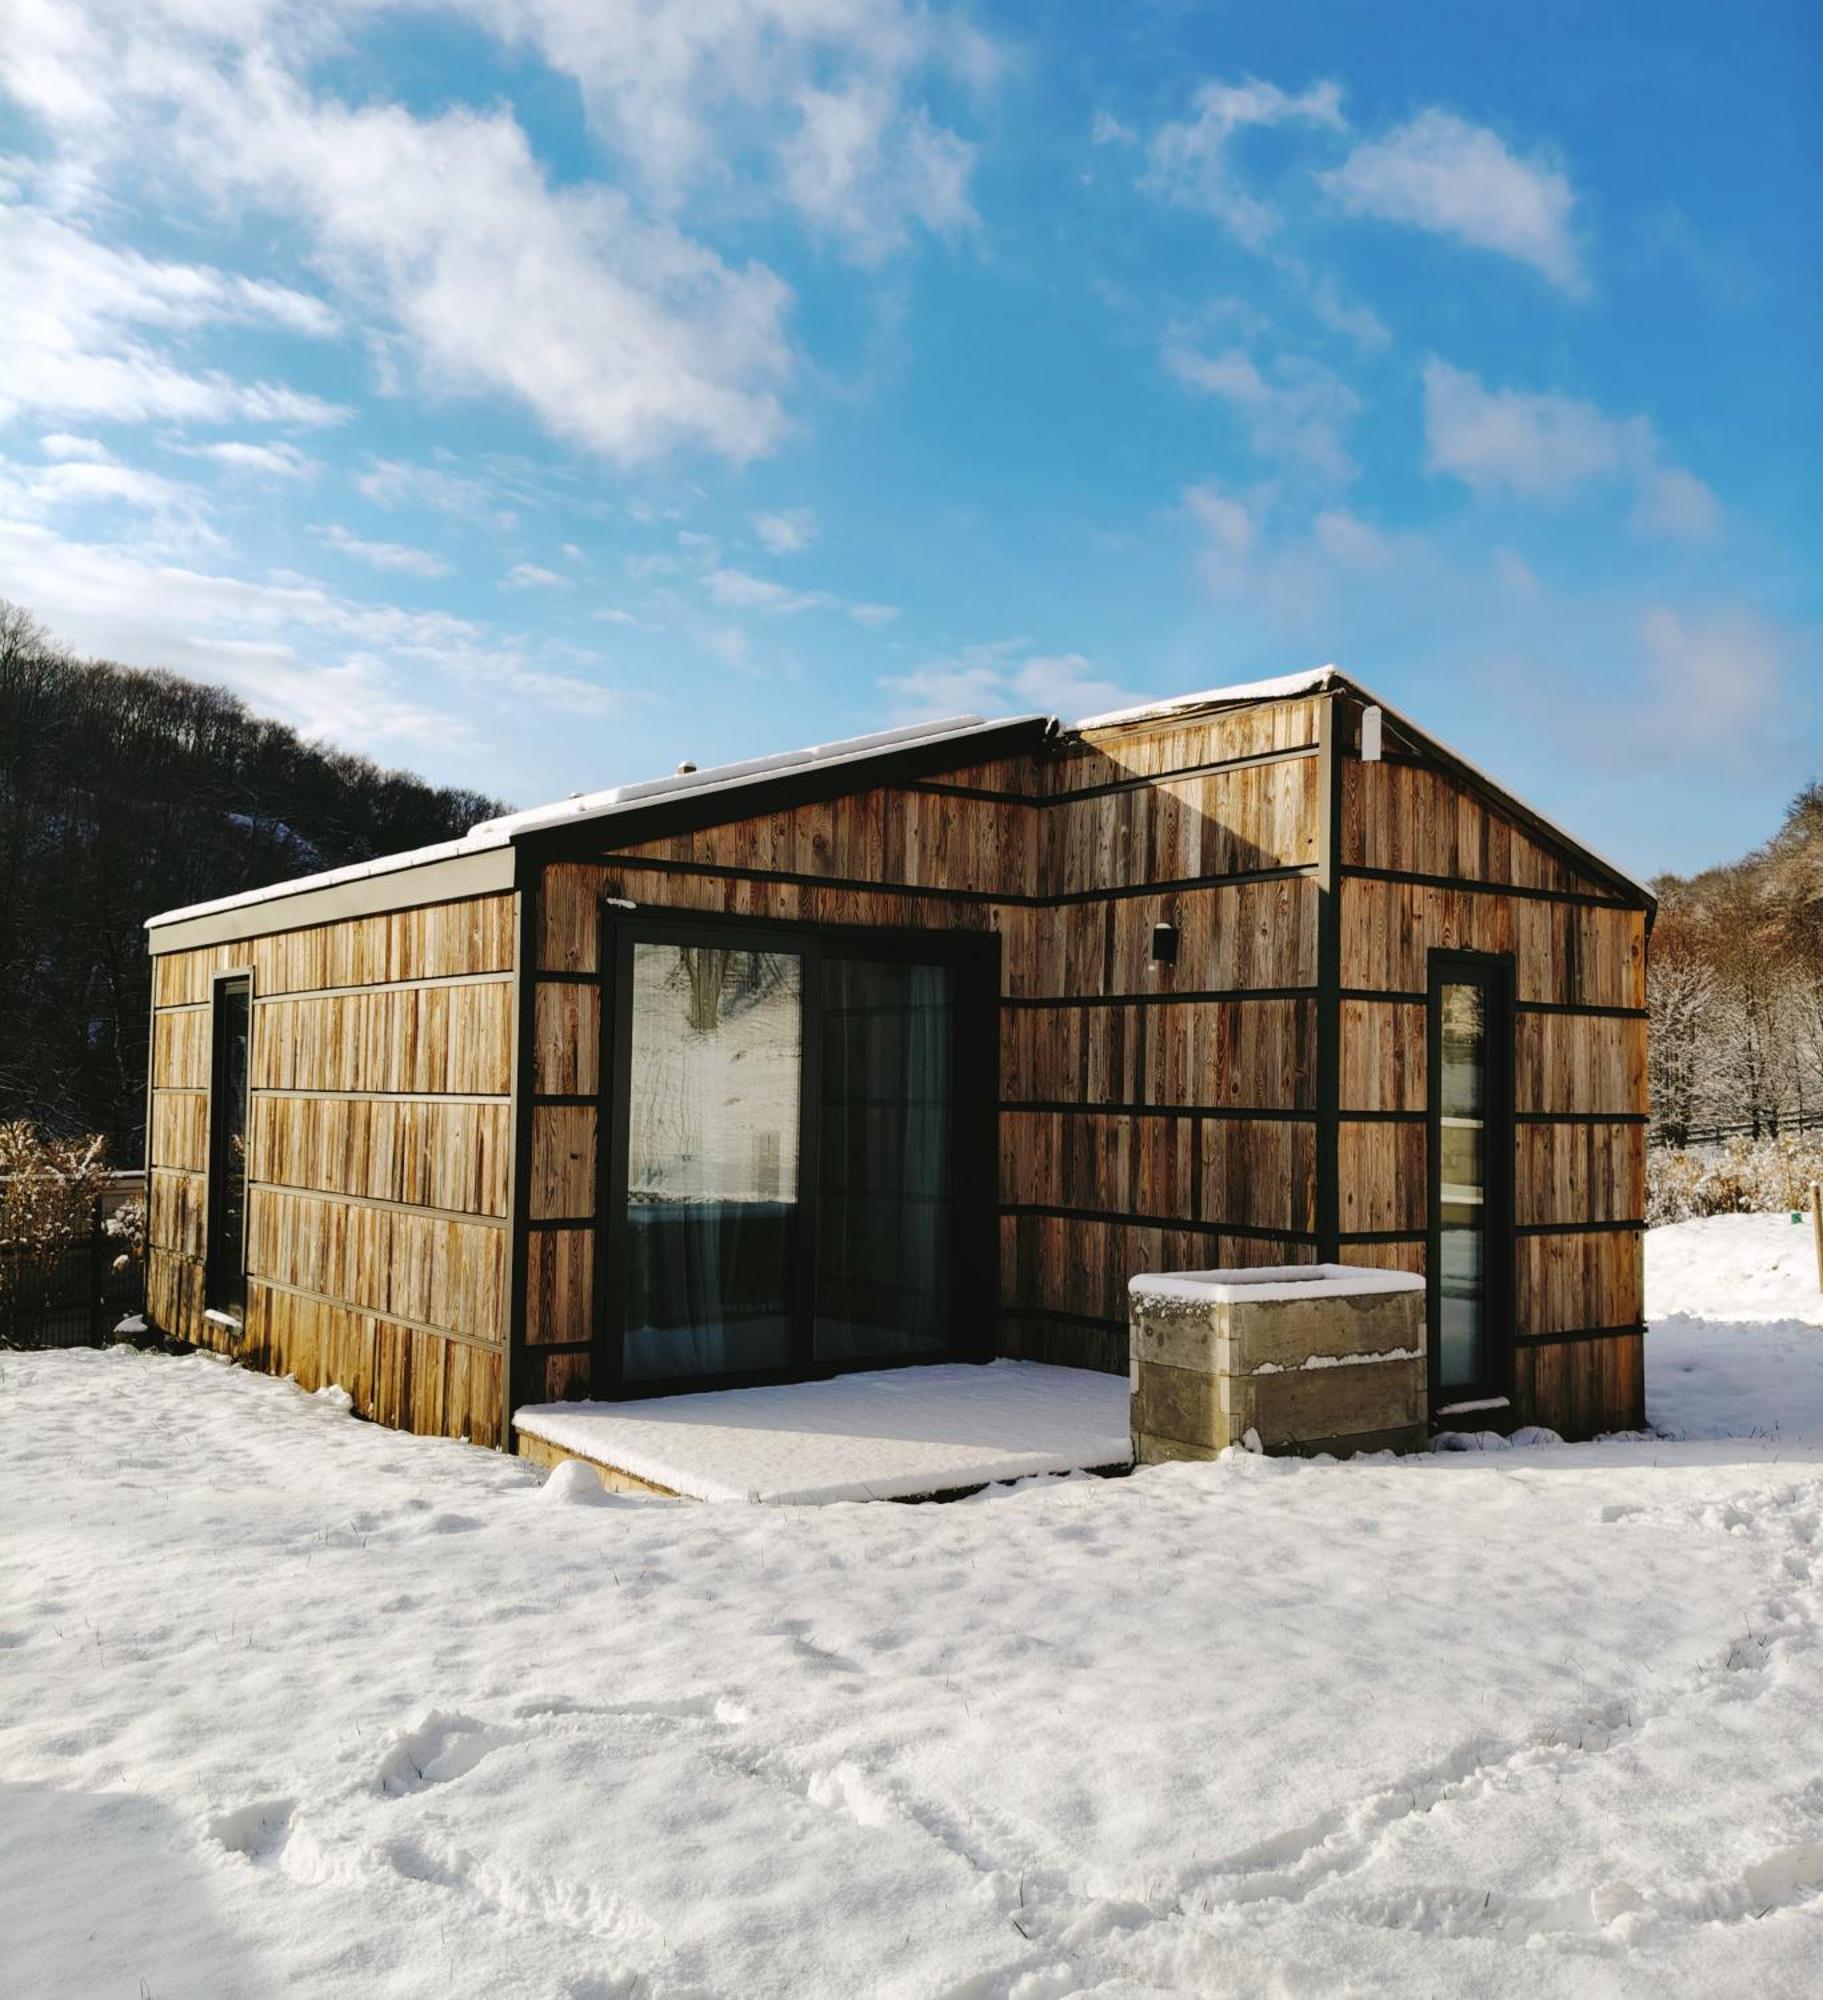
x=1471 y=1146
x=712 y=1160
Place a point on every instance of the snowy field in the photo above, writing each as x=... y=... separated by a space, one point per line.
x=296 y=1705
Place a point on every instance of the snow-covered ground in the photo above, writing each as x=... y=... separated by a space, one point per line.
x=295 y=1705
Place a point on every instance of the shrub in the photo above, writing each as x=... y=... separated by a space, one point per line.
x=1741 y=1177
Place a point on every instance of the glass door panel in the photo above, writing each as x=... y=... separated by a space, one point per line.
x=1462 y=1207
x=886 y=1081
x=712 y=1216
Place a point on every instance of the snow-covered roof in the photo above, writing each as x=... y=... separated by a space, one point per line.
x=502 y=832
x=858 y=750
x=1282 y=687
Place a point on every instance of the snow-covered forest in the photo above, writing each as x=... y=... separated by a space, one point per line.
x=1735 y=984
x=123 y=793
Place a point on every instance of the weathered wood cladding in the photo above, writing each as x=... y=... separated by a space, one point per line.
x=1108 y=1083
x=1564 y=954
x=1151 y=1114
x=1579 y=1071
x=1410 y=820
x=1139 y=1128
x=379 y=1158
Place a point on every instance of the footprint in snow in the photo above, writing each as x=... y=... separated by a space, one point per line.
x=441 y=1748
x=256 y=1832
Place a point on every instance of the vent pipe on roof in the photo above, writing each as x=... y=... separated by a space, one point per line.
x=1370 y=735
x=685 y=768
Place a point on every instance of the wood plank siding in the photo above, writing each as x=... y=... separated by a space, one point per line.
x=1149 y=1114
x=426 y=1112
x=1427 y=863
x=379 y=1156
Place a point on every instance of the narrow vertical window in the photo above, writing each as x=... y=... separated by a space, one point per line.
x=225 y=1274
x=1471 y=1147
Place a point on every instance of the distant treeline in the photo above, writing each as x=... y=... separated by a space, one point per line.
x=123 y=793
x=1735 y=983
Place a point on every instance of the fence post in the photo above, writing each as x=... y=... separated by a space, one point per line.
x=97 y=1254
x=1816 y=1223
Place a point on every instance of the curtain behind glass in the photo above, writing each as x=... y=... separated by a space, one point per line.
x=712 y=1160
x=884 y=1213
x=1460 y=1133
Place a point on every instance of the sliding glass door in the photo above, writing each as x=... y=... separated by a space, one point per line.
x=1471 y=1178
x=782 y=1172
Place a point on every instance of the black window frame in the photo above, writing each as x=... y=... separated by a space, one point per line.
x=974 y=958
x=1494 y=971
x=225 y=1291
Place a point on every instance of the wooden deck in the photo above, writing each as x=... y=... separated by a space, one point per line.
x=889 y=1434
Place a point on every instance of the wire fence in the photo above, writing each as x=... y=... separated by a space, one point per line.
x=1741 y=1128
x=72 y=1299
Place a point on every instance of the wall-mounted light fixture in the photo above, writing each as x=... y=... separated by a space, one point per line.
x=1164 y=944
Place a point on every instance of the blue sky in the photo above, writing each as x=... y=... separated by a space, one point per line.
x=538 y=392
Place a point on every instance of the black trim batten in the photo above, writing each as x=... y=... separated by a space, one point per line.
x=1124 y=1219
x=1633 y=1330
x=621 y=863
x=1358 y=872
x=1329 y=980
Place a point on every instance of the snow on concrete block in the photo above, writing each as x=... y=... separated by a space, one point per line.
x=1323 y=1357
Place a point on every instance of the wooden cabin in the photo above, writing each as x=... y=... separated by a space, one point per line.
x=917 y=1047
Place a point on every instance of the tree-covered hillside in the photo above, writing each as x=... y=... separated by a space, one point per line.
x=123 y=793
x=1735 y=983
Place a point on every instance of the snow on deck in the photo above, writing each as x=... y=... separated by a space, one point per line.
x=890 y=1434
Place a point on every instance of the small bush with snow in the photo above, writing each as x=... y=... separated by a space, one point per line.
x=1742 y=1177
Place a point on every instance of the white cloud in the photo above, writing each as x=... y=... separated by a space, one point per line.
x=1549 y=447
x=861 y=171
x=460 y=264
x=1352 y=543
x=59 y=444
x=1271 y=552
x=788 y=532
x=73 y=339
x=1298 y=415
x=393 y=556
x=1712 y=683
x=738 y=590
x=570 y=694
x=1190 y=163
x=267 y=640
x=531 y=576
x=354 y=673
x=617 y=333
x=1227 y=536
x=995 y=679
x=1674 y=502
x=276 y=461
x=1441 y=173
x=39 y=492
x=814 y=103
x=392 y=482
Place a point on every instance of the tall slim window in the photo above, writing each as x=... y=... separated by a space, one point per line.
x=1471 y=1145
x=225 y=1272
